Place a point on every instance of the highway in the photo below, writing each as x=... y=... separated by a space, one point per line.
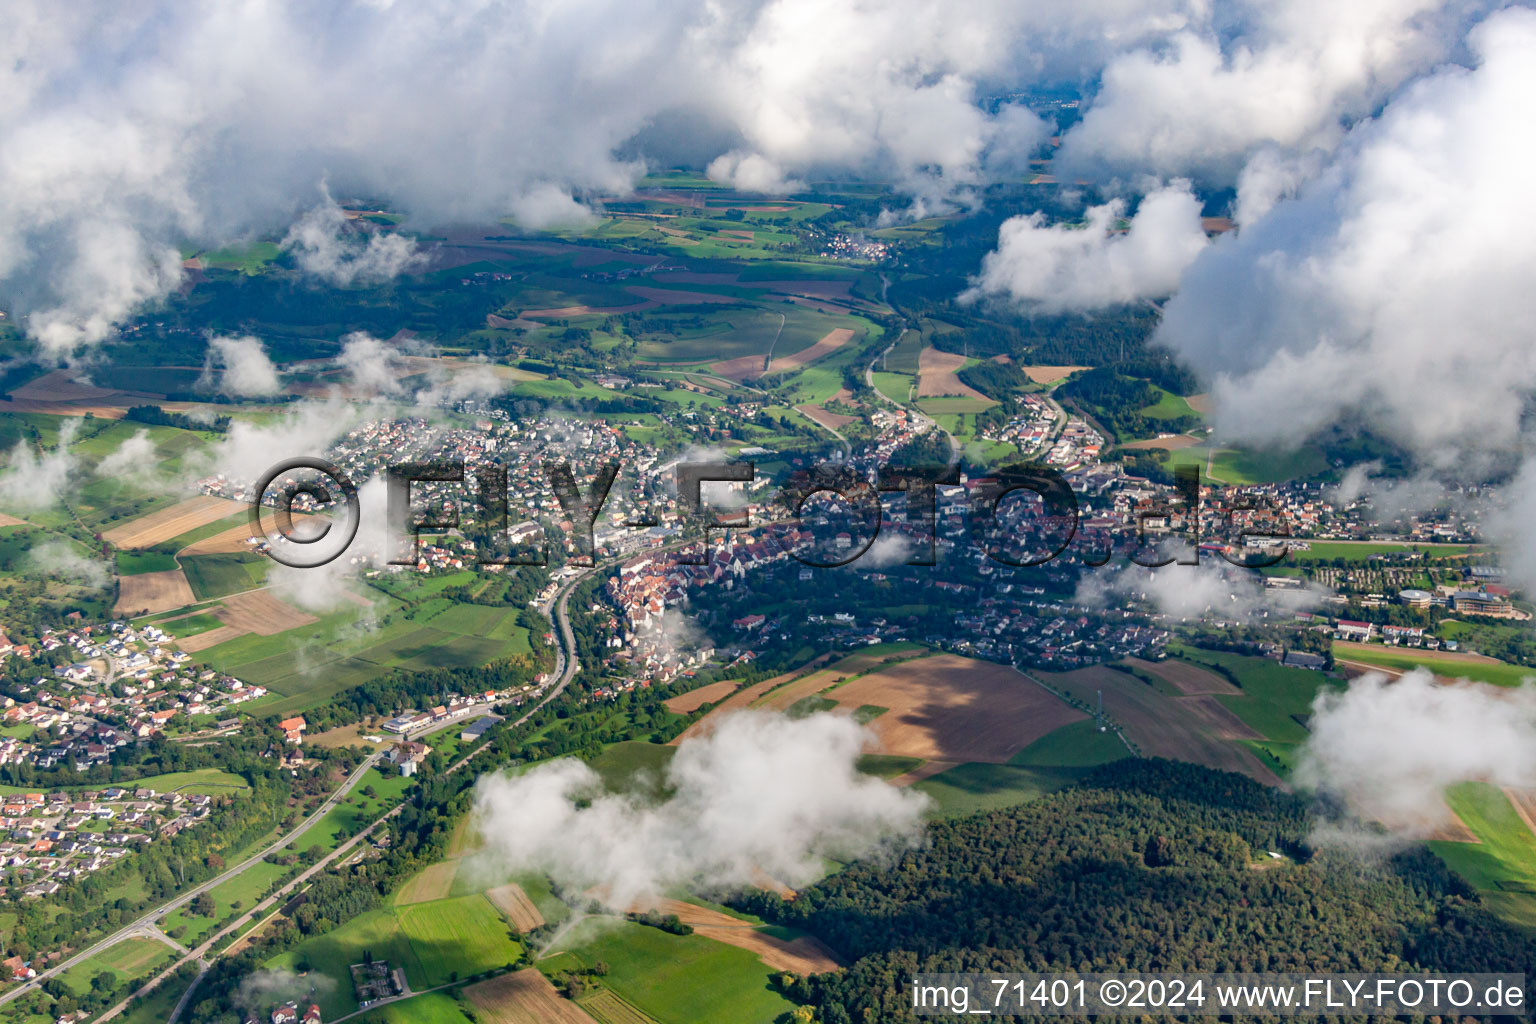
x=148 y=920
x=566 y=667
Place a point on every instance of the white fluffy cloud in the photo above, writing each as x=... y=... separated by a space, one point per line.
x=1393 y=287
x=133 y=130
x=239 y=367
x=1060 y=266
x=762 y=795
x=325 y=245
x=1389 y=749
x=32 y=480
x=372 y=365
x=1250 y=74
x=1213 y=590
x=58 y=559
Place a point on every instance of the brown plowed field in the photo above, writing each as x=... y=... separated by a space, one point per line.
x=829 y=343
x=524 y=997
x=1182 y=728
x=1187 y=678
x=512 y=901
x=936 y=376
x=153 y=592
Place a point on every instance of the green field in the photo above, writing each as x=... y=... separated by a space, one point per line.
x=1502 y=865
x=128 y=960
x=457 y=937
x=679 y=979
x=1274 y=696
x=212 y=781
x=214 y=576
x=309 y=664
x=233 y=897
x=1077 y=745
x=132 y=563
x=1168 y=406
x=376 y=931
x=976 y=787
x=1327 y=551
x=895 y=386
x=623 y=766
x=1497 y=673
x=1234 y=466
x=427 y=1008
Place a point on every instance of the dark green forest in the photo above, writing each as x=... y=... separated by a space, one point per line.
x=1152 y=866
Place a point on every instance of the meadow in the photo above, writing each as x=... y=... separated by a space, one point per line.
x=1446 y=664
x=679 y=979
x=1502 y=864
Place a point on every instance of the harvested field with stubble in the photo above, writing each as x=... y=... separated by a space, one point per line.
x=937 y=376
x=152 y=592
x=258 y=611
x=515 y=904
x=688 y=703
x=158 y=527
x=804 y=955
x=1194 y=728
x=743 y=699
x=830 y=342
x=1186 y=678
x=432 y=883
x=524 y=997
x=941 y=707
x=208 y=638
x=1050 y=374
x=608 y=1008
x=950 y=708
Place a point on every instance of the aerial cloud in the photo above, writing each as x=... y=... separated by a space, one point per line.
x=1388 y=749
x=134 y=132
x=239 y=367
x=325 y=245
x=1212 y=589
x=30 y=480
x=1065 y=267
x=763 y=795
x=58 y=559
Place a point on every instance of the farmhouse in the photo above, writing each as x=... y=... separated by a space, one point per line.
x=293 y=729
x=408 y=756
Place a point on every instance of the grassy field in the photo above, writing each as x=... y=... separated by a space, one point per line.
x=1077 y=745
x=1234 y=466
x=973 y=788
x=427 y=1008
x=329 y=954
x=128 y=960
x=623 y=766
x=214 y=576
x=1497 y=673
x=132 y=563
x=212 y=781
x=235 y=896
x=455 y=938
x=308 y=664
x=680 y=979
x=1274 y=697
x=1502 y=865
x=1168 y=406
x=1327 y=551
